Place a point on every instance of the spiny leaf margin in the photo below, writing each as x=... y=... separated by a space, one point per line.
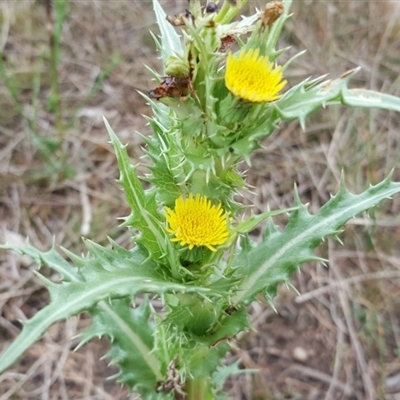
x=122 y=278
x=144 y=214
x=263 y=266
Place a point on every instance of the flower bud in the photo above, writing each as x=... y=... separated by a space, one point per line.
x=175 y=66
x=211 y=8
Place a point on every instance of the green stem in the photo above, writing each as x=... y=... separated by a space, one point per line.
x=228 y=11
x=199 y=389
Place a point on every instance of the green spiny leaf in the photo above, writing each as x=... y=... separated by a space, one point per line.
x=309 y=96
x=250 y=223
x=230 y=325
x=369 y=99
x=167 y=172
x=121 y=278
x=144 y=216
x=50 y=258
x=170 y=40
x=132 y=343
x=203 y=361
x=265 y=265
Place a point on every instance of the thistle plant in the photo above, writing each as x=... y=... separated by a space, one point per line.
x=221 y=91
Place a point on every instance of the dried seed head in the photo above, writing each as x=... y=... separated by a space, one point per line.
x=271 y=13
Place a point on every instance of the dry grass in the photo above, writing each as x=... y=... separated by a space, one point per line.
x=338 y=339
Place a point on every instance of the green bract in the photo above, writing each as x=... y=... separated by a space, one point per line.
x=201 y=134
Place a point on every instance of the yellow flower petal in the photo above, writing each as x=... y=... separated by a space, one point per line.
x=196 y=222
x=252 y=77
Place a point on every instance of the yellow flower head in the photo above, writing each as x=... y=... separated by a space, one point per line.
x=196 y=222
x=252 y=77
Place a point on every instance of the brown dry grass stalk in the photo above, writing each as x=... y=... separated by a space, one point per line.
x=342 y=340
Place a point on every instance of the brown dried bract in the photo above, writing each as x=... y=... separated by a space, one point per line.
x=179 y=19
x=271 y=13
x=226 y=43
x=171 y=86
x=173 y=382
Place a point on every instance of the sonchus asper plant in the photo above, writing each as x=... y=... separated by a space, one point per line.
x=221 y=91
